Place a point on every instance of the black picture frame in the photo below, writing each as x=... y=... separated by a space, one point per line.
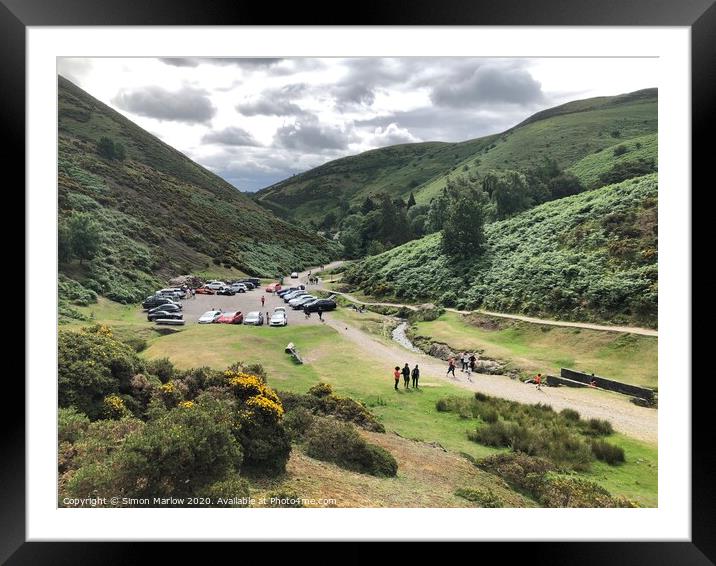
x=699 y=15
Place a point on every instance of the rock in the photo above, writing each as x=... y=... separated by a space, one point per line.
x=441 y=351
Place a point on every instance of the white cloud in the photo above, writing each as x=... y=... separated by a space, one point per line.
x=256 y=121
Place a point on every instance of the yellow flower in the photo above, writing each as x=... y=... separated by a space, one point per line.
x=186 y=404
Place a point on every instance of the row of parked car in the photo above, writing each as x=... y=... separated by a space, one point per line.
x=254 y=318
x=299 y=299
x=215 y=287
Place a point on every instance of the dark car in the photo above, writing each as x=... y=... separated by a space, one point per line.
x=320 y=304
x=287 y=290
x=169 y=307
x=248 y=282
x=166 y=315
x=226 y=291
x=156 y=301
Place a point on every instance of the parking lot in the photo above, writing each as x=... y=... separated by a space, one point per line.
x=244 y=302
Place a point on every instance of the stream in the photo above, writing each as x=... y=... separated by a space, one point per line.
x=399 y=336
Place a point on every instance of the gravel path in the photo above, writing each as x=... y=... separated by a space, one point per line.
x=637 y=422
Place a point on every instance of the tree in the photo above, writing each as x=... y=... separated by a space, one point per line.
x=463 y=229
x=367 y=206
x=436 y=212
x=509 y=193
x=105 y=147
x=64 y=242
x=85 y=235
x=120 y=154
x=565 y=185
x=411 y=200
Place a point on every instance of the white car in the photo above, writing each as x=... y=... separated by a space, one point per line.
x=294 y=275
x=278 y=318
x=209 y=316
x=215 y=285
x=239 y=288
x=298 y=301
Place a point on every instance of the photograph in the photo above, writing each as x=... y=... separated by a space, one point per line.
x=357 y=282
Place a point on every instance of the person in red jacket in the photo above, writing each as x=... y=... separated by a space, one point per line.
x=396 y=376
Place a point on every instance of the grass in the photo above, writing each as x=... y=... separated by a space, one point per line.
x=353 y=373
x=535 y=348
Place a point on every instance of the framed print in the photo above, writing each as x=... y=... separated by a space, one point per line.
x=399 y=278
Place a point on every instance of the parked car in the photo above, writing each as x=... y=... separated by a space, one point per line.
x=278 y=318
x=294 y=275
x=209 y=316
x=226 y=291
x=169 y=307
x=169 y=315
x=172 y=292
x=239 y=287
x=215 y=285
x=231 y=318
x=320 y=304
x=204 y=291
x=298 y=302
x=273 y=287
x=254 y=318
x=156 y=301
x=283 y=292
x=293 y=294
x=255 y=281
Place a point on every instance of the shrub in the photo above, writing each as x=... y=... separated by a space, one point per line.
x=498 y=434
x=520 y=471
x=298 y=422
x=71 y=424
x=340 y=443
x=92 y=365
x=607 y=452
x=163 y=368
x=230 y=492
x=598 y=427
x=483 y=497
x=620 y=150
x=180 y=454
x=570 y=415
x=568 y=491
x=321 y=390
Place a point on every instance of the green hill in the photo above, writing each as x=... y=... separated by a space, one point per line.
x=592 y=256
x=568 y=134
x=159 y=213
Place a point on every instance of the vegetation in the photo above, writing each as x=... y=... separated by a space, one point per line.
x=133 y=211
x=592 y=256
x=124 y=432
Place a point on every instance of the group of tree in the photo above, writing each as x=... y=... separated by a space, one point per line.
x=79 y=237
x=110 y=149
x=380 y=223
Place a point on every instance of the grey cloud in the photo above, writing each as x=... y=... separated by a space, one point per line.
x=268 y=107
x=233 y=136
x=247 y=62
x=186 y=105
x=310 y=135
x=489 y=85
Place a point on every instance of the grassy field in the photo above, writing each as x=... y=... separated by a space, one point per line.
x=353 y=373
x=625 y=357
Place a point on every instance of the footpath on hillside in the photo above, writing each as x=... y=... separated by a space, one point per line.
x=634 y=421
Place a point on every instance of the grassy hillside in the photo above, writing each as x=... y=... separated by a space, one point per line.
x=160 y=213
x=567 y=133
x=592 y=256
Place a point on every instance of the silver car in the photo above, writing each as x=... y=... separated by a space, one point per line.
x=254 y=318
x=209 y=316
x=298 y=302
x=278 y=318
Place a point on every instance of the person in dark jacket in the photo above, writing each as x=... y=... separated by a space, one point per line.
x=406 y=375
x=416 y=376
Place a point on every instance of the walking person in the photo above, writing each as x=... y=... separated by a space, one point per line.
x=263 y=300
x=406 y=375
x=538 y=381
x=416 y=376
x=472 y=359
x=462 y=361
x=320 y=314
x=451 y=368
x=468 y=371
x=396 y=376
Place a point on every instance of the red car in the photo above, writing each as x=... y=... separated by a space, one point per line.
x=273 y=287
x=204 y=291
x=231 y=318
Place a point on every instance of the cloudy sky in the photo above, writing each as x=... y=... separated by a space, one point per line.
x=257 y=121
